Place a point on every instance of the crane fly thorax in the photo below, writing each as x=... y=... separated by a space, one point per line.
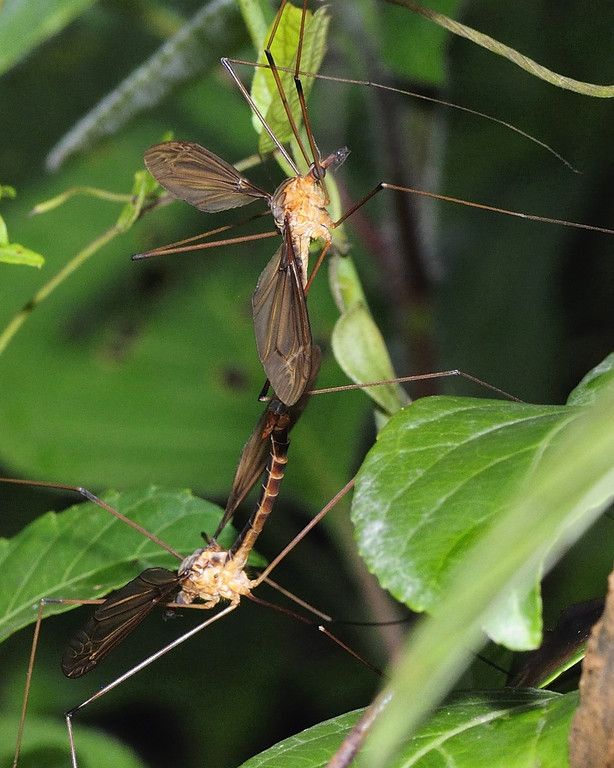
x=300 y=204
x=211 y=575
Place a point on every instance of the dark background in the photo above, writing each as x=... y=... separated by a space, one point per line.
x=145 y=373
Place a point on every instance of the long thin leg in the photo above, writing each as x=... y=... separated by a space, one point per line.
x=304 y=620
x=414 y=95
x=246 y=95
x=280 y=87
x=418 y=377
x=45 y=601
x=468 y=203
x=166 y=250
x=28 y=684
x=100 y=503
x=133 y=671
x=162 y=250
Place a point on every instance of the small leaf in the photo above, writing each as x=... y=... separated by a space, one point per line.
x=14 y=253
x=441 y=472
x=361 y=351
x=84 y=552
x=145 y=187
x=264 y=88
x=592 y=384
x=7 y=191
x=4 y=234
x=491 y=729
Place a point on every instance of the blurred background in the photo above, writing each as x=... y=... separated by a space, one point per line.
x=132 y=374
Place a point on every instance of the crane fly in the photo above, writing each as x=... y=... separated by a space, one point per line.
x=209 y=576
x=197 y=176
x=276 y=416
x=283 y=334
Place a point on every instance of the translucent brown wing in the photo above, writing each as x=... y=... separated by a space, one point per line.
x=281 y=323
x=192 y=173
x=256 y=451
x=112 y=621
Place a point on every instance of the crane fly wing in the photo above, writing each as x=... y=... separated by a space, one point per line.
x=281 y=323
x=112 y=621
x=251 y=465
x=192 y=173
x=256 y=451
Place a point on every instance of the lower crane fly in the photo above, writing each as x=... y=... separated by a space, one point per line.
x=209 y=576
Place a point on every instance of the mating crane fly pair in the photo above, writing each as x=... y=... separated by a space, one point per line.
x=291 y=362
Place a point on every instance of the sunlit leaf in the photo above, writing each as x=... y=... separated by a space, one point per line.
x=264 y=89
x=490 y=729
x=14 y=253
x=442 y=471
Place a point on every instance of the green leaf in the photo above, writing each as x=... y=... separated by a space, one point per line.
x=441 y=473
x=441 y=470
x=490 y=729
x=14 y=253
x=4 y=235
x=46 y=743
x=7 y=191
x=593 y=383
x=25 y=24
x=144 y=188
x=255 y=14
x=84 y=552
x=264 y=89
x=360 y=350
x=567 y=488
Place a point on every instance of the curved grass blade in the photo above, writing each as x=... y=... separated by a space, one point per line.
x=195 y=48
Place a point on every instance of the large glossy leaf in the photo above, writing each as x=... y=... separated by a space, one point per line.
x=442 y=471
x=84 y=552
x=491 y=729
x=564 y=493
